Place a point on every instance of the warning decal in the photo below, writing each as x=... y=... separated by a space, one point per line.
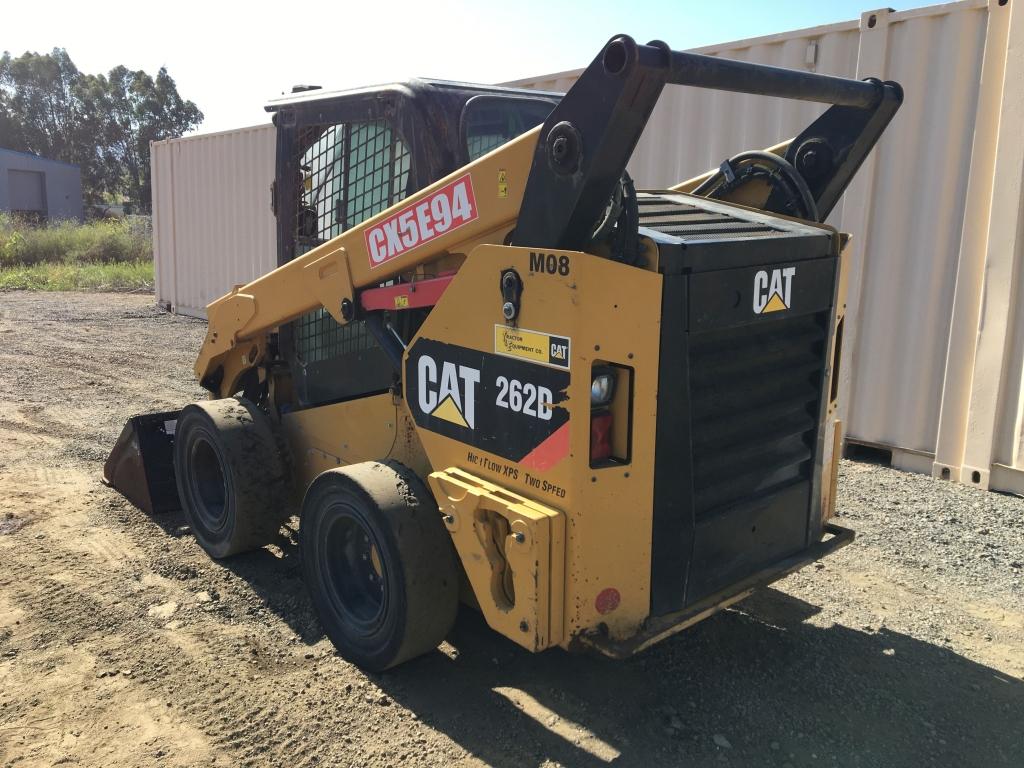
x=535 y=346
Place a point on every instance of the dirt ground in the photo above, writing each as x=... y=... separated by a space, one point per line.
x=122 y=644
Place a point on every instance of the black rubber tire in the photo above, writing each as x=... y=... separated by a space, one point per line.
x=381 y=613
x=231 y=475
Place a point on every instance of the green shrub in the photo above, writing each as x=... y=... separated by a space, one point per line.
x=114 y=276
x=68 y=242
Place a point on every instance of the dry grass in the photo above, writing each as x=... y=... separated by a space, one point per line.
x=66 y=255
x=122 y=276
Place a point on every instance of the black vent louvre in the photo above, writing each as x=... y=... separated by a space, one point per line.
x=755 y=394
x=690 y=223
x=740 y=391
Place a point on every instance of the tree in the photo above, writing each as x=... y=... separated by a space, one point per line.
x=10 y=127
x=101 y=123
x=39 y=93
x=42 y=111
x=140 y=110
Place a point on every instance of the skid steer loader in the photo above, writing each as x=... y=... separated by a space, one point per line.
x=488 y=369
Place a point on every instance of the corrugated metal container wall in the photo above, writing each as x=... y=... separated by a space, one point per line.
x=907 y=207
x=692 y=130
x=933 y=355
x=912 y=198
x=681 y=142
x=980 y=427
x=212 y=223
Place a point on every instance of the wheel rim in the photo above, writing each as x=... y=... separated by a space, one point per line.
x=209 y=490
x=356 y=574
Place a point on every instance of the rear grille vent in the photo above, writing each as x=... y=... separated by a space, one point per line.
x=740 y=393
x=690 y=223
x=755 y=394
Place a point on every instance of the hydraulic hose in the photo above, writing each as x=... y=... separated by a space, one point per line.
x=785 y=168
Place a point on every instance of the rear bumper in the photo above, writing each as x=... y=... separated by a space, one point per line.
x=658 y=628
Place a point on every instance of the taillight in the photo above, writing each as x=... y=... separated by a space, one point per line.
x=602 y=387
x=600 y=436
x=602 y=391
x=611 y=423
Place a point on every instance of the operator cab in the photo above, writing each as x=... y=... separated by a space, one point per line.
x=345 y=156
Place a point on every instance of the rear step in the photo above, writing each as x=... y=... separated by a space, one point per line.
x=141 y=465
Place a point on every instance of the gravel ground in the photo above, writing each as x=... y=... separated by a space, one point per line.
x=122 y=644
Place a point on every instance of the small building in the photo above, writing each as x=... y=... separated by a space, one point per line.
x=38 y=187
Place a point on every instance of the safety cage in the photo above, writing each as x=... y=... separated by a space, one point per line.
x=343 y=157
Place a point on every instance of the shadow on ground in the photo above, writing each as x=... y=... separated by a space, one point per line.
x=752 y=686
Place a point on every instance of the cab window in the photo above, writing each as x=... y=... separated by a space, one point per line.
x=490 y=121
x=348 y=173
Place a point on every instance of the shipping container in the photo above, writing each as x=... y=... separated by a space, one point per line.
x=932 y=354
x=213 y=227
x=933 y=348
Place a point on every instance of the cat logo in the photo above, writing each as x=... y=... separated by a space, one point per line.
x=450 y=396
x=774 y=293
x=559 y=351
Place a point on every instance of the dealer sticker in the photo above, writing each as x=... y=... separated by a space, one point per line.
x=441 y=212
x=535 y=346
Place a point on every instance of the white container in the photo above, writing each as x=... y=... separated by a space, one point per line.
x=934 y=341
x=212 y=223
x=933 y=352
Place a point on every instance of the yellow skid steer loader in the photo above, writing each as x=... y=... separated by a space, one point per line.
x=489 y=369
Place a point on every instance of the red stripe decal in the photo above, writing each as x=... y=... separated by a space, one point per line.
x=421 y=293
x=550 y=452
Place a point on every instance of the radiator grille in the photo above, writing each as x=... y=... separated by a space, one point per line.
x=690 y=223
x=755 y=396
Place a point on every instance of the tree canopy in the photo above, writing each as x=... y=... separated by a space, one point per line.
x=102 y=123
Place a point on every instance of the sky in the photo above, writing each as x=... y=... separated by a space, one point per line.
x=231 y=57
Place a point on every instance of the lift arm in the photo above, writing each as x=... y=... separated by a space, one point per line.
x=556 y=181
x=448 y=217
